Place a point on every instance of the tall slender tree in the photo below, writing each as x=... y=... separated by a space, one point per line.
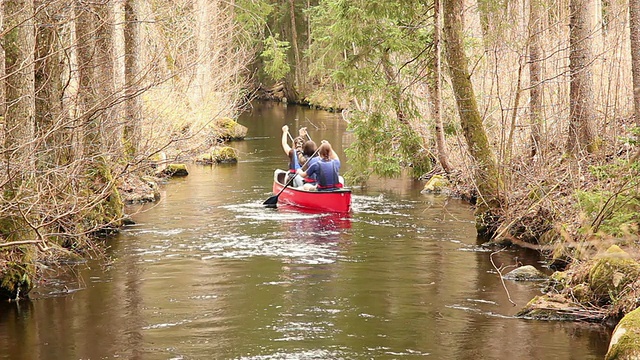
x=394 y=87
x=51 y=120
x=581 y=137
x=132 y=78
x=535 y=76
x=2 y=62
x=86 y=103
x=19 y=42
x=487 y=177
x=434 y=86
x=202 y=14
x=18 y=164
x=297 y=69
x=48 y=77
x=105 y=73
x=634 y=26
x=94 y=35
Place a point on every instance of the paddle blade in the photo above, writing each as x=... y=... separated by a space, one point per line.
x=271 y=202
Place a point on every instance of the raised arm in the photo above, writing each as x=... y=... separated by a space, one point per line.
x=332 y=155
x=285 y=146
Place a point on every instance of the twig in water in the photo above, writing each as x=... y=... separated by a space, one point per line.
x=500 y=274
x=312 y=124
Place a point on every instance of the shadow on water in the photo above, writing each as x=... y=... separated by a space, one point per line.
x=210 y=273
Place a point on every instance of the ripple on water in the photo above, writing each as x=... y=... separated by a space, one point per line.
x=297 y=237
x=257 y=211
x=306 y=354
x=240 y=247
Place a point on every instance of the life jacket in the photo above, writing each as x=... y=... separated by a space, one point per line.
x=310 y=179
x=293 y=161
x=328 y=176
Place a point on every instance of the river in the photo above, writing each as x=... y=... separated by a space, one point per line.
x=209 y=273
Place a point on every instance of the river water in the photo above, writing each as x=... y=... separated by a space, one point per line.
x=209 y=273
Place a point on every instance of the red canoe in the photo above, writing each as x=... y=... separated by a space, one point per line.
x=331 y=201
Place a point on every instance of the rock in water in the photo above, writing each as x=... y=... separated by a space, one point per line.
x=525 y=273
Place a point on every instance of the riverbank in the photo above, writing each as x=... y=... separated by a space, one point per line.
x=575 y=212
x=79 y=233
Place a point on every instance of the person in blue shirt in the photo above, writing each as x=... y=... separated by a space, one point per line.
x=326 y=170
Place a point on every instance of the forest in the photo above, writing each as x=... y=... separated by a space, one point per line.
x=529 y=108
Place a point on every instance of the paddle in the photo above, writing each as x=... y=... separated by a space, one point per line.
x=273 y=201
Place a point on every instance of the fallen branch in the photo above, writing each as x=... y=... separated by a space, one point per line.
x=18 y=243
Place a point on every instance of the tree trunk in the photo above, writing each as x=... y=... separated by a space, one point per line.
x=19 y=167
x=51 y=121
x=106 y=74
x=581 y=136
x=634 y=24
x=94 y=44
x=535 y=77
x=2 y=71
x=296 y=52
x=434 y=86
x=133 y=76
x=484 y=13
x=201 y=10
x=487 y=177
x=19 y=43
x=394 y=88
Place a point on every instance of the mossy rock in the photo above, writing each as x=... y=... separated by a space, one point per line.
x=436 y=184
x=611 y=273
x=229 y=129
x=557 y=282
x=175 y=170
x=15 y=285
x=138 y=190
x=582 y=293
x=205 y=158
x=15 y=276
x=525 y=273
x=224 y=154
x=625 y=340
